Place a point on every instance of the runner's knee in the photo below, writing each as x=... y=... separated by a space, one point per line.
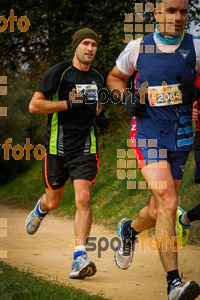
x=83 y=198
x=167 y=202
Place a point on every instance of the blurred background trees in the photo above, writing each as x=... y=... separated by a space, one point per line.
x=24 y=56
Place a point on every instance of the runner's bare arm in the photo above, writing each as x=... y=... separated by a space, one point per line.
x=117 y=80
x=40 y=105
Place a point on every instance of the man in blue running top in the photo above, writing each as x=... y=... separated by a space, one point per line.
x=161 y=128
x=68 y=93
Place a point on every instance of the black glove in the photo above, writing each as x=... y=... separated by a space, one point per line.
x=82 y=97
x=101 y=120
x=188 y=89
x=133 y=105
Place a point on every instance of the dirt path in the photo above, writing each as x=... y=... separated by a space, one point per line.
x=47 y=254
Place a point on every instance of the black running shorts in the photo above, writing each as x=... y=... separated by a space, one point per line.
x=57 y=169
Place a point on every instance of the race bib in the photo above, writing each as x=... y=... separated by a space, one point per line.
x=164 y=95
x=89 y=90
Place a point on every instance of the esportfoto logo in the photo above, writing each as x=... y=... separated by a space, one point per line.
x=152 y=243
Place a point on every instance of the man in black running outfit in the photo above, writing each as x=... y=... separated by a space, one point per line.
x=68 y=93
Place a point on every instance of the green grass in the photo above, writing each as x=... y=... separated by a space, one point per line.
x=15 y=285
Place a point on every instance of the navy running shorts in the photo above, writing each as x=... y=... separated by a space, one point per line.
x=57 y=169
x=176 y=159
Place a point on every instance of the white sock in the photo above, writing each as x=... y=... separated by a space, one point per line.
x=80 y=248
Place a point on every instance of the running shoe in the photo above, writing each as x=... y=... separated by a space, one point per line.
x=33 y=221
x=181 y=230
x=124 y=252
x=184 y=291
x=82 y=268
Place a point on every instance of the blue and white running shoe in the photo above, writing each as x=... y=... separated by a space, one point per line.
x=34 y=220
x=124 y=253
x=82 y=268
x=184 y=291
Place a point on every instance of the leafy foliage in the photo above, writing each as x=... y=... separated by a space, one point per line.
x=52 y=23
x=24 y=56
x=18 y=125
